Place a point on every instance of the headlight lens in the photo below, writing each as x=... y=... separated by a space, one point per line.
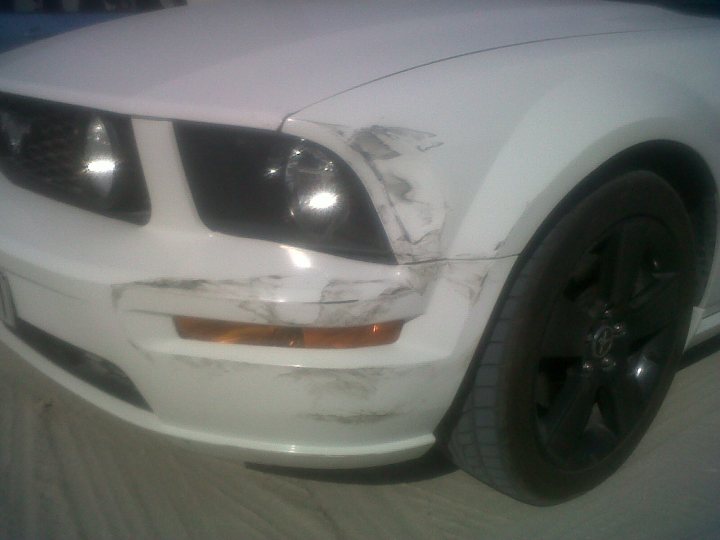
x=276 y=187
x=316 y=190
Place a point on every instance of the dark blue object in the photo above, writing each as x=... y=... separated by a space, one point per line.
x=21 y=28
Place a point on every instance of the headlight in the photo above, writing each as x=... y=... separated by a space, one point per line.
x=318 y=199
x=276 y=187
x=80 y=156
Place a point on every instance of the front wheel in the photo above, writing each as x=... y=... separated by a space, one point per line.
x=583 y=349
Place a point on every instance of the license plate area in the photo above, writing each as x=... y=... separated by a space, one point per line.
x=7 y=306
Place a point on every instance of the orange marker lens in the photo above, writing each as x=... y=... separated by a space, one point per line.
x=288 y=336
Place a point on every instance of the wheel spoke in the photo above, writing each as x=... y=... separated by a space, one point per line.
x=565 y=422
x=621 y=403
x=654 y=309
x=566 y=330
x=645 y=371
x=622 y=263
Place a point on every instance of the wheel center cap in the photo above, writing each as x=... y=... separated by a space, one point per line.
x=602 y=341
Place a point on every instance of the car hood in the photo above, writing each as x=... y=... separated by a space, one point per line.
x=255 y=62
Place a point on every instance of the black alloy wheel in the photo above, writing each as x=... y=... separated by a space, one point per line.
x=582 y=352
x=602 y=352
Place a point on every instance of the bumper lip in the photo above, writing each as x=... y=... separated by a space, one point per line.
x=251 y=450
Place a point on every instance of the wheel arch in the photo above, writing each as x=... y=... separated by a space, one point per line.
x=691 y=178
x=583 y=130
x=683 y=168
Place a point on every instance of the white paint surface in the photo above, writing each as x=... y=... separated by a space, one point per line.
x=463 y=159
x=253 y=62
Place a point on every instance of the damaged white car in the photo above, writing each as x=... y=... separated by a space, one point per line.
x=335 y=234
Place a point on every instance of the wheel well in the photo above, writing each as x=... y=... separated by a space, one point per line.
x=689 y=176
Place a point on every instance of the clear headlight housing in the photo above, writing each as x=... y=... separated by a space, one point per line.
x=276 y=187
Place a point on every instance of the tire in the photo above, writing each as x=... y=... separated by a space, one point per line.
x=583 y=347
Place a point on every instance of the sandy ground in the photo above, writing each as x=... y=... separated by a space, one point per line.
x=68 y=470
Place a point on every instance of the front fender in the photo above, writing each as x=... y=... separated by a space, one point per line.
x=465 y=158
x=569 y=133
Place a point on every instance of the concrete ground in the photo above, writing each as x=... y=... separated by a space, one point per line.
x=68 y=470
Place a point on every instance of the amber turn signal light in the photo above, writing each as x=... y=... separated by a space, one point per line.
x=288 y=336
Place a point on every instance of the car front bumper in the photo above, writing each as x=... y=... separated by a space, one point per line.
x=111 y=289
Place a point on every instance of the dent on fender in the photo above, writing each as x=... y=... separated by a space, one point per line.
x=403 y=189
x=395 y=155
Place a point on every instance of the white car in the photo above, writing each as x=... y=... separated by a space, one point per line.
x=334 y=234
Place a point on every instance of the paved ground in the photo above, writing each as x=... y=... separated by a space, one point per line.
x=68 y=470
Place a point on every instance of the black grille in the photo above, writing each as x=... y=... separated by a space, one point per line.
x=42 y=147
